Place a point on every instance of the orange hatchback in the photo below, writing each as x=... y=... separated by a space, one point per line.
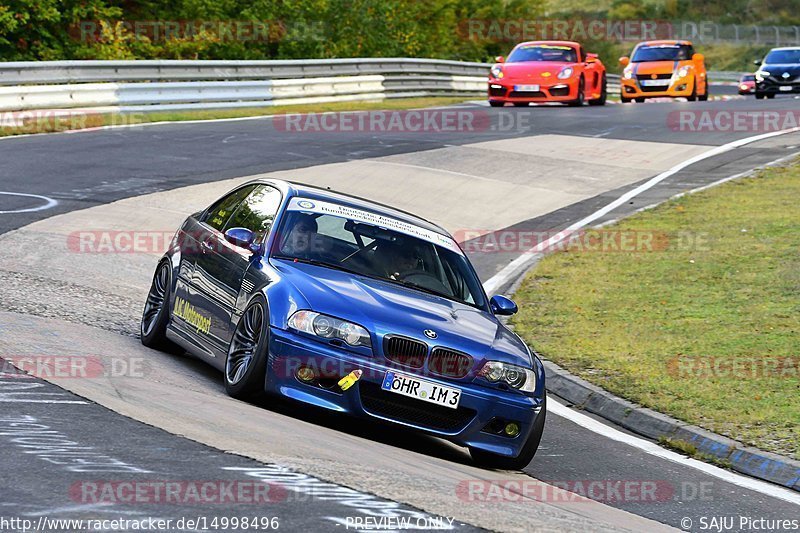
x=663 y=68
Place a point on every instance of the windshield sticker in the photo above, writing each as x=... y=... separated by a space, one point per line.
x=327 y=208
x=546 y=46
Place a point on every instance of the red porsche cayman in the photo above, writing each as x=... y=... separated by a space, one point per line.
x=548 y=71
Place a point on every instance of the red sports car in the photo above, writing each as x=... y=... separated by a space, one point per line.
x=747 y=84
x=548 y=71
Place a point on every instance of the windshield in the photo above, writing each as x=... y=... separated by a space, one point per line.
x=387 y=249
x=543 y=52
x=662 y=52
x=783 y=56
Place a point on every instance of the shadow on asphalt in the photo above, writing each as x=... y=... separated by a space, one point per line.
x=373 y=430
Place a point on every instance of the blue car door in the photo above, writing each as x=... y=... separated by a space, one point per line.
x=221 y=267
x=189 y=312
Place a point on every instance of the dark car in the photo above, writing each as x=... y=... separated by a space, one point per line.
x=779 y=73
x=352 y=306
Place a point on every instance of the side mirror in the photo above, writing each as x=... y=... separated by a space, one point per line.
x=757 y=62
x=699 y=58
x=624 y=61
x=502 y=306
x=241 y=237
x=591 y=58
x=499 y=59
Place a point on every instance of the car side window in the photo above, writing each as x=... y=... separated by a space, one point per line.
x=582 y=55
x=218 y=214
x=257 y=211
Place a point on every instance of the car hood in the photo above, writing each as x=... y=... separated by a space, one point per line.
x=533 y=70
x=388 y=308
x=658 y=67
x=777 y=69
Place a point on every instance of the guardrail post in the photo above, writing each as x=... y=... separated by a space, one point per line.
x=777 y=36
x=758 y=36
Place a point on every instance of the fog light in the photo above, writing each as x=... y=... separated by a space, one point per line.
x=305 y=374
x=512 y=429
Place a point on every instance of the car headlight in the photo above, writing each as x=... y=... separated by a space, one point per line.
x=565 y=73
x=514 y=376
x=761 y=75
x=497 y=71
x=328 y=327
x=682 y=72
x=627 y=73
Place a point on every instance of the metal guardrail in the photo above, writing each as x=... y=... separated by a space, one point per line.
x=139 y=86
x=42 y=72
x=174 y=85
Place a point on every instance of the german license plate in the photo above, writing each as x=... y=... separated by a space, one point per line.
x=786 y=87
x=421 y=390
x=655 y=83
x=526 y=88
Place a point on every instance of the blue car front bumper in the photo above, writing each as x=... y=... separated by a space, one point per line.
x=479 y=405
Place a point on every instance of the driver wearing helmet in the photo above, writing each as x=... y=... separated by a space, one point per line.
x=301 y=240
x=401 y=260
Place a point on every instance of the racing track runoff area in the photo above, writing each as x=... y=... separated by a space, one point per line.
x=152 y=417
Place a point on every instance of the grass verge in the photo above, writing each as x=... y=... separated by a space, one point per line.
x=703 y=325
x=49 y=122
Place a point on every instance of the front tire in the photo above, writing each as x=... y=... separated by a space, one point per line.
x=153 y=328
x=578 y=102
x=704 y=97
x=246 y=363
x=490 y=460
x=692 y=97
x=603 y=95
x=760 y=96
x=494 y=103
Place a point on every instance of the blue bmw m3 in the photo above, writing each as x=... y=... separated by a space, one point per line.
x=352 y=306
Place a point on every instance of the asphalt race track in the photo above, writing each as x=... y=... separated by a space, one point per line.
x=172 y=421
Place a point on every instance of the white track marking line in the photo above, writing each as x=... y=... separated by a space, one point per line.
x=22 y=400
x=49 y=202
x=652 y=448
x=608 y=431
x=510 y=270
x=213 y=120
x=744 y=174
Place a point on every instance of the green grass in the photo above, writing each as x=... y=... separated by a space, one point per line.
x=82 y=121
x=725 y=288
